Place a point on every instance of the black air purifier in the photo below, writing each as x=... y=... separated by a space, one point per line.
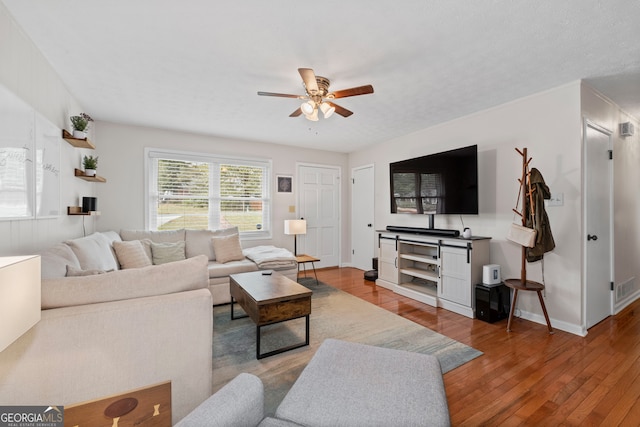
x=492 y=302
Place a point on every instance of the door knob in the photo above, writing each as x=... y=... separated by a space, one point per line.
x=368 y=225
x=590 y=237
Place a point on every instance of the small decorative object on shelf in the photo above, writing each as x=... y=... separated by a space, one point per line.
x=90 y=164
x=80 y=125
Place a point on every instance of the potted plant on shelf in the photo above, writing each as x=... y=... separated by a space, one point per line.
x=90 y=164
x=80 y=125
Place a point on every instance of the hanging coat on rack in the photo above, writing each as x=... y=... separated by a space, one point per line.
x=539 y=220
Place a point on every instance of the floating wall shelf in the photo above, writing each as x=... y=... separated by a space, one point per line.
x=80 y=174
x=77 y=142
x=77 y=210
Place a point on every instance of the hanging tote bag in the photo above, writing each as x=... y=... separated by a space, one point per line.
x=522 y=235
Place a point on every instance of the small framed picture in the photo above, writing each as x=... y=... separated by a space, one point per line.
x=284 y=183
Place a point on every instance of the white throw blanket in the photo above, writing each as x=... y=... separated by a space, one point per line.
x=270 y=257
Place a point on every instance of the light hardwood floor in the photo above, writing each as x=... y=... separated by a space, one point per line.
x=527 y=376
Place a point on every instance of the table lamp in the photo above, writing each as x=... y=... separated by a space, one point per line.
x=295 y=227
x=20 y=298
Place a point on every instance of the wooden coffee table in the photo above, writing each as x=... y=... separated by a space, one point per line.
x=269 y=299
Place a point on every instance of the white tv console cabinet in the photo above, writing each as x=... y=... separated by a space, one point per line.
x=435 y=270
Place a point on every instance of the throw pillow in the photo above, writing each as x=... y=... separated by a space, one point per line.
x=227 y=248
x=198 y=242
x=131 y=254
x=167 y=252
x=75 y=272
x=223 y=232
x=94 y=252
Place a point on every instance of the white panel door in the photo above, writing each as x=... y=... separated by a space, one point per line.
x=319 y=203
x=363 y=236
x=598 y=239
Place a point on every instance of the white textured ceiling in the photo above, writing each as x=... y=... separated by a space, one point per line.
x=196 y=65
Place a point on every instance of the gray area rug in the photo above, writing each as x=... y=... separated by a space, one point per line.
x=334 y=314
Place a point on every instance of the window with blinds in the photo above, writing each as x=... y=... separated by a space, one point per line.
x=208 y=192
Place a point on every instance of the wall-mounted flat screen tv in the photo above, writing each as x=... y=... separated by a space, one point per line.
x=440 y=183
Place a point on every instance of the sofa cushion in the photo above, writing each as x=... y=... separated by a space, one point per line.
x=94 y=252
x=76 y=272
x=217 y=269
x=162 y=236
x=198 y=242
x=54 y=261
x=120 y=285
x=227 y=248
x=162 y=253
x=112 y=236
x=366 y=385
x=131 y=254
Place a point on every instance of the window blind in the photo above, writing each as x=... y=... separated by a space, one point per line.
x=205 y=192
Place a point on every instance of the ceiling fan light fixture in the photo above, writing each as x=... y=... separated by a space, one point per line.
x=308 y=107
x=327 y=109
x=313 y=116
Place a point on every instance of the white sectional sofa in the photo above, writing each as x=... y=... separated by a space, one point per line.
x=125 y=311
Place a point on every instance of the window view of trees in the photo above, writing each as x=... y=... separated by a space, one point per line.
x=417 y=192
x=201 y=195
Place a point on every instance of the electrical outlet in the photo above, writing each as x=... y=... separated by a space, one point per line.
x=556 y=199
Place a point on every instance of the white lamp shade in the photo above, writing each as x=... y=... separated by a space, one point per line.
x=313 y=116
x=20 y=297
x=308 y=107
x=327 y=109
x=295 y=226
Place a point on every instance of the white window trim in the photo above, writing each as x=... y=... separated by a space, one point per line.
x=190 y=156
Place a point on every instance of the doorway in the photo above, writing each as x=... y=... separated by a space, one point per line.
x=598 y=231
x=362 y=218
x=319 y=204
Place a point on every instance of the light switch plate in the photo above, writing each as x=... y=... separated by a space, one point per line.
x=557 y=199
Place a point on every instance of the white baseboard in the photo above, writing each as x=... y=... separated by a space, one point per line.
x=555 y=324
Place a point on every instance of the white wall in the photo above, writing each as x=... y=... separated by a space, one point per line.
x=121 y=151
x=548 y=124
x=26 y=73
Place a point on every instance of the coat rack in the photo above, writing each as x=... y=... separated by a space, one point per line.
x=522 y=284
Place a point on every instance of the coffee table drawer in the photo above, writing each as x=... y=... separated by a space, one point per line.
x=283 y=310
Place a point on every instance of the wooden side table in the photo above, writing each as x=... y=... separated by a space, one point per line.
x=304 y=259
x=529 y=285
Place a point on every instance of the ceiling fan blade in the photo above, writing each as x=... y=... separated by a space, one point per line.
x=341 y=110
x=309 y=79
x=296 y=113
x=360 y=90
x=281 y=95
